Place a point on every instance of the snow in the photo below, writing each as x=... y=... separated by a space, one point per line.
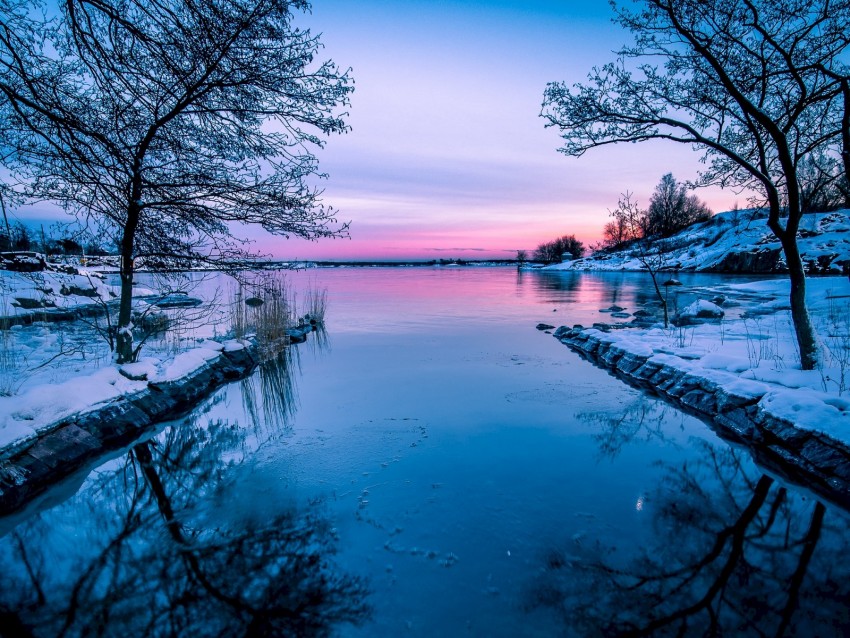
x=810 y=411
x=186 y=363
x=146 y=368
x=824 y=244
x=755 y=355
x=235 y=344
x=23 y=416
x=28 y=293
x=39 y=408
x=701 y=308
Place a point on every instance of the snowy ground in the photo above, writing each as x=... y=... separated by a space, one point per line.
x=49 y=369
x=756 y=351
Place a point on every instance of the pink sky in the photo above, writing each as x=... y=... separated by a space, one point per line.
x=448 y=156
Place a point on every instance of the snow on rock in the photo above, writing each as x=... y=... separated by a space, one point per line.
x=186 y=363
x=699 y=311
x=23 y=416
x=810 y=410
x=140 y=370
x=702 y=309
x=748 y=361
x=235 y=344
x=24 y=293
x=38 y=409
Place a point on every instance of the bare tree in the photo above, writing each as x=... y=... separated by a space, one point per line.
x=756 y=84
x=651 y=254
x=164 y=123
x=823 y=184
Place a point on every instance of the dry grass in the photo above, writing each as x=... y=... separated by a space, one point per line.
x=315 y=304
x=264 y=308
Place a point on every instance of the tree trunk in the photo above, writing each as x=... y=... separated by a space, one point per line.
x=124 y=338
x=845 y=140
x=803 y=329
x=805 y=333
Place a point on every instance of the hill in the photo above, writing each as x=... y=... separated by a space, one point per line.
x=737 y=242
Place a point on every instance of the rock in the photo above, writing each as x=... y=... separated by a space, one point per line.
x=30 y=304
x=176 y=300
x=22 y=262
x=561 y=331
x=642 y=313
x=76 y=290
x=816 y=460
x=545 y=326
x=604 y=327
x=699 y=311
x=764 y=260
x=620 y=315
x=299 y=334
x=136 y=371
x=612 y=309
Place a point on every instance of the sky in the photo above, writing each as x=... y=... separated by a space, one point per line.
x=448 y=156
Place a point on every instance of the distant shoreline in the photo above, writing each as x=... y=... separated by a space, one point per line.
x=389 y=264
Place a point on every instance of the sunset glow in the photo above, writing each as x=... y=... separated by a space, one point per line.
x=447 y=156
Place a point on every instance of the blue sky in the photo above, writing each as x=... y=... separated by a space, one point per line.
x=448 y=156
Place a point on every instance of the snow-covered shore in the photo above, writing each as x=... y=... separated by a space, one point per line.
x=738 y=241
x=744 y=373
x=51 y=432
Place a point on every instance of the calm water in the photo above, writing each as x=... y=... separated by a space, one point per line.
x=433 y=466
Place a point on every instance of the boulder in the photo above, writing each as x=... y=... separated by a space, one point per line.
x=699 y=311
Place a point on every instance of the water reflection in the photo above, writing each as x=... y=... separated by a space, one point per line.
x=731 y=552
x=269 y=396
x=157 y=545
x=638 y=420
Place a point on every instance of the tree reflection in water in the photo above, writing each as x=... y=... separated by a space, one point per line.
x=269 y=396
x=639 y=420
x=733 y=553
x=154 y=548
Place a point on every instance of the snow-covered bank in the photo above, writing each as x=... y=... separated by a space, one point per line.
x=46 y=295
x=743 y=375
x=738 y=241
x=51 y=431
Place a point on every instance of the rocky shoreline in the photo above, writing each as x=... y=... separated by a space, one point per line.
x=807 y=457
x=30 y=468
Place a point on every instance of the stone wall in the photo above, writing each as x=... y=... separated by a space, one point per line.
x=68 y=446
x=811 y=459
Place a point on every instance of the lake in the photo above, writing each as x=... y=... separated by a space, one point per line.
x=433 y=465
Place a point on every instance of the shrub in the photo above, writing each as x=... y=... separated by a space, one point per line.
x=553 y=252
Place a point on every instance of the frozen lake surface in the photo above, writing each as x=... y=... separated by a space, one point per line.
x=472 y=475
